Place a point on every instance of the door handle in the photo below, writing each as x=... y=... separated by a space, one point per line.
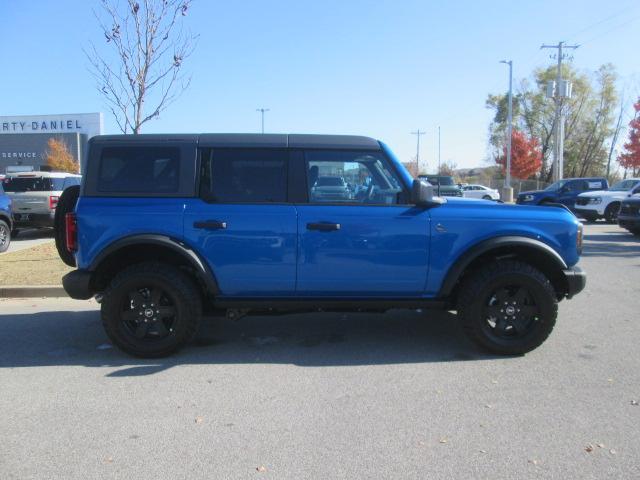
x=210 y=224
x=323 y=226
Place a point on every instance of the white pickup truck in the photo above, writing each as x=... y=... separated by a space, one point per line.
x=605 y=203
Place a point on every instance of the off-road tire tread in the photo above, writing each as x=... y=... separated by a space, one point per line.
x=469 y=294
x=182 y=286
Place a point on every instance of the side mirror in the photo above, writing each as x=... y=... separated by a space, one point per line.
x=422 y=194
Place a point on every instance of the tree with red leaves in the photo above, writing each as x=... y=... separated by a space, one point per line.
x=526 y=156
x=630 y=159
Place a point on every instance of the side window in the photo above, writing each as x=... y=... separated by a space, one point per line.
x=57 y=184
x=151 y=170
x=351 y=177
x=245 y=176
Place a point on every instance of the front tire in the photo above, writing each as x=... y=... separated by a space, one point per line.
x=487 y=197
x=151 y=310
x=507 y=307
x=5 y=236
x=611 y=213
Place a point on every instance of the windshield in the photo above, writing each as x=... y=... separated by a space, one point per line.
x=556 y=185
x=329 y=182
x=623 y=185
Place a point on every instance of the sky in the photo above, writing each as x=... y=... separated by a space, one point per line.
x=375 y=68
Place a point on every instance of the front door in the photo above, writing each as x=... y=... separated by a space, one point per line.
x=357 y=234
x=241 y=224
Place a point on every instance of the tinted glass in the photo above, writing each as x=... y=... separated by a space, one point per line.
x=27 y=184
x=350 y=177
x=624 y=185
x=246 y=176
x=139 y=170
x=57 y=184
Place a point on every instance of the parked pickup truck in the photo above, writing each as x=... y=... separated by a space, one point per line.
x=564 y=191
x=165 y=228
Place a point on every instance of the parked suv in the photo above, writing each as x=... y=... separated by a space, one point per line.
x=6 y=221
x=563 y=191
x=604 y=203
x=445 y=186
x=166 y=227
x=35 y=196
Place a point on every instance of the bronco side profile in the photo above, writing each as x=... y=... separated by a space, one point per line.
x=166 y=228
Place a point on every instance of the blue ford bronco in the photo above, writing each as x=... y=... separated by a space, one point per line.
x=166 y=228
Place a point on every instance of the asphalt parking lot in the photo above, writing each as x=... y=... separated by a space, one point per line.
x=399 y=395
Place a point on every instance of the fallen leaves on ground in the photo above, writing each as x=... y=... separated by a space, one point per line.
x=261 y=468
x=199 y=419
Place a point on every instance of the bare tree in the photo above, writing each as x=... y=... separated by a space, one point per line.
x=140 y=71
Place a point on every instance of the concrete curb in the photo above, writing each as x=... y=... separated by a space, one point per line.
x=31 y=291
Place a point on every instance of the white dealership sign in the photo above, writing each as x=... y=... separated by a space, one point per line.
x=90 y=124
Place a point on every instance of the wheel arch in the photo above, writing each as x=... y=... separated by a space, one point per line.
x=7 y=219
x=533 y=251
x=150 y=247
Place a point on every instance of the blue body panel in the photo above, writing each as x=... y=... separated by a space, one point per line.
x=255 y=255
x=378 y=251
x=102 y=221
x=462 y=223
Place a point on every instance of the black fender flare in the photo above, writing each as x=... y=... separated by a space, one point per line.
x=205 y=274
x=457 y=269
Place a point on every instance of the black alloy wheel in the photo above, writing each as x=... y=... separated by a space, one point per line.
x=510 y=311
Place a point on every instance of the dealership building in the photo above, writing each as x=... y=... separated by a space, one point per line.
x=24 y=138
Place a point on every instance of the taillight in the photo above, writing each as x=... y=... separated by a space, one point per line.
x=71 y=229
x=53 y=202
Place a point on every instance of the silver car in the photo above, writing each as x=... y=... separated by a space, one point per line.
x=35 y=196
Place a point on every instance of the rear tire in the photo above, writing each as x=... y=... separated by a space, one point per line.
x=507 y=307
x=66 y=203
x=5 y=236
x=487 y=197
x=151 y=310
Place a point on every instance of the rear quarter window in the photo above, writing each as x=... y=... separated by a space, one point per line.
x=139 y=170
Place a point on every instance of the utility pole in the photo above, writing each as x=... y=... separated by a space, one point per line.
x=438 y=172
x=560 y=91
x=507 y=182
x=262 y=110
x=417 y=133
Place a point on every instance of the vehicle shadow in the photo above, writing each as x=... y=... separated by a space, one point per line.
x=616 y=244
x=307 y=340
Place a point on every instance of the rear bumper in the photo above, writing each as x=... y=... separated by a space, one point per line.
x=77 y=284
x=576 y=280
x=25 y=220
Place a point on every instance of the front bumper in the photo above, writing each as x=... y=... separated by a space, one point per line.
x=576 y=279
x=77 y=284
x=587 y=211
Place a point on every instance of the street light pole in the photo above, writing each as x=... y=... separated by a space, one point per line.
x=438 y=172
x=417 y=133
x=262 y=110
x=507 y=182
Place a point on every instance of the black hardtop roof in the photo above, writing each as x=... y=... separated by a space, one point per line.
x=266 y=140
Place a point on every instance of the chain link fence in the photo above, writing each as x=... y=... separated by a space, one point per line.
x=519 y=185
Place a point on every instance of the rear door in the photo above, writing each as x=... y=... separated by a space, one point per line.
x=241 y=222
x=369 y=242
